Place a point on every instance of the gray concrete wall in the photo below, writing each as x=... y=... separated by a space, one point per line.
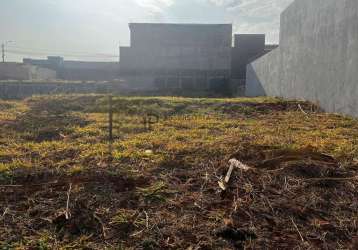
x=18 y=90
x=180 y=35
x=247 y=47
x=172 y=47
x=18 y=71
x=317 y=59
x=37 y=73
x=263 y=76
x=74 y=70
x=175 y=58
x=14 y=71
x=179 y=51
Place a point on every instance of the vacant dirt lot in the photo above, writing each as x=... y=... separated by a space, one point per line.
x=62 y=186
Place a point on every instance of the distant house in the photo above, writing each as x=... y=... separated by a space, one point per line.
x=78 y=70
x=19 y=71
x=90 y=71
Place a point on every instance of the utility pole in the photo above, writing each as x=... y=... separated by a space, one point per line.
x=3 y=52
x=3 y=49
x=119 y=55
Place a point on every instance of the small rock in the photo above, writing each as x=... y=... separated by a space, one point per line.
x=149 y=152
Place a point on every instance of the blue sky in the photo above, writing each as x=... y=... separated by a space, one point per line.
x=93 y=29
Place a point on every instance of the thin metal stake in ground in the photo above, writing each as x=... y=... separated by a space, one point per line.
x=110 y=124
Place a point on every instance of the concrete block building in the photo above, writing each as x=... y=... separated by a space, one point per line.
x=175 y=56
x=77 y=70
x=247 y=48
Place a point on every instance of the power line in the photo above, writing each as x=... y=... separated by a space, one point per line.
x=3 y=52
x=44 y=52
x=55 y=51
x=32 y=53
x=22 y=52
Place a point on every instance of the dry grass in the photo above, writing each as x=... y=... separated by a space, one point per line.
x=158 y=189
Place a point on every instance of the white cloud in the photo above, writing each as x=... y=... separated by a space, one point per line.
x=247 y=16
x=221 y=2
x=255 y=16
x=155 y=6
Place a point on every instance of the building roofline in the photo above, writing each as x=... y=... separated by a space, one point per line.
x=180 y=24
x=75 y=61
x=251 y=34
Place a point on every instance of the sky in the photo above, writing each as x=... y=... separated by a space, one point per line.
x=93 y=30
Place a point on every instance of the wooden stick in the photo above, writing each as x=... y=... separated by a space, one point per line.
x=294 y=224
x=146 y=219
x=29 y=185
x=102 y=225
x=5 y=212
x=299 y=106
x=67 y=213
x=228 y=175
x=10 y=186
x=333 y=179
